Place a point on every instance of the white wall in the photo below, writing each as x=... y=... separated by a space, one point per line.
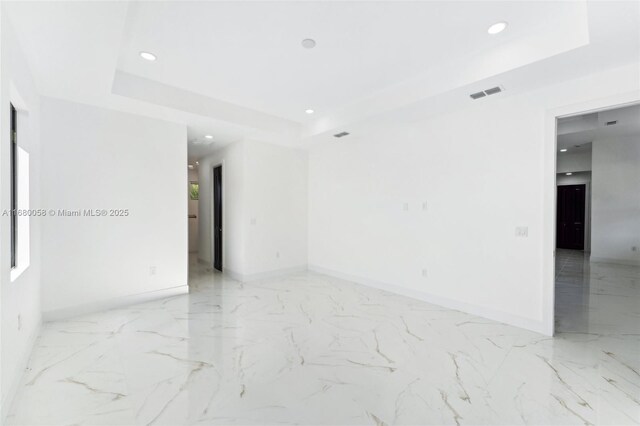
x=276 y=208
x=480 y=171
x=264 y=209
x=575 y=179
x=95 y=158
x=579 y=162
x=20 y=299
x=616 y=200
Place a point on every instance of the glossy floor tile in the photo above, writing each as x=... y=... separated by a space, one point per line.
x=310 y=349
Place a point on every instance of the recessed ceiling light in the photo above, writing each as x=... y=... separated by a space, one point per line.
x=563 y=150
x=148 y=56
x=569 y=174
x=197 y=163
x=208 y=136
x=191 y=166
x=498 y=27
x=308 y=43
x=309 y=111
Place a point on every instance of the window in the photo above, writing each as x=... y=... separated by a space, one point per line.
x=14 y=184
x=19 y=181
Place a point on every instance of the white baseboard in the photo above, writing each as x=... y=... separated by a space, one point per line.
x=626 y=262
x=264 y=275
x=232 y=274
x=499 y=316
x=18 y=375
x=101 y=305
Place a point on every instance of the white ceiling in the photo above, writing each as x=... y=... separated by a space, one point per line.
x=576 y=134
x=250 y=54
x=237 y=69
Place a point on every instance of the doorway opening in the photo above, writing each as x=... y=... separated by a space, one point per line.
x=193 y=197
x=597 y=221
x=217 y=218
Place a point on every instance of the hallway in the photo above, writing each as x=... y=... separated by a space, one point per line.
x=286 y=350
x=596 y=298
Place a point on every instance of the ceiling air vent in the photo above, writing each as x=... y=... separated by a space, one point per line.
x=487 y=92
x=612 y=123
x=341 y=134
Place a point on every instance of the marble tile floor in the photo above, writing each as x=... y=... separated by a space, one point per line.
x=310 y=349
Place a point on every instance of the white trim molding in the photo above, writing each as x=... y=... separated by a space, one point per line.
x=499 y=316
x=264 y=275
x=118 y=302
x=626 y=262
x=19 y=375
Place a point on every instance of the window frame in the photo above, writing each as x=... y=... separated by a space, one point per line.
x=14 y=185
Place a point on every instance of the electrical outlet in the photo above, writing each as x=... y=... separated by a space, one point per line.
x=424 y=273
x=277 y=255
x=424 y=206
x=19 y=322
x=152 y=270
x=405 y=207
x=522 y=231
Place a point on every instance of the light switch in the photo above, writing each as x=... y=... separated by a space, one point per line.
x=522 y=231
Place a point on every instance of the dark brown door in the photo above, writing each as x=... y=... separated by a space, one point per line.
x=217 y=218
x=570 y=217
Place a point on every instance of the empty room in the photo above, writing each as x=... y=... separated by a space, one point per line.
x=320 y=212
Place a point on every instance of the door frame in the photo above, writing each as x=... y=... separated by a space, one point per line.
x=212 y=215
x=549 y=193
